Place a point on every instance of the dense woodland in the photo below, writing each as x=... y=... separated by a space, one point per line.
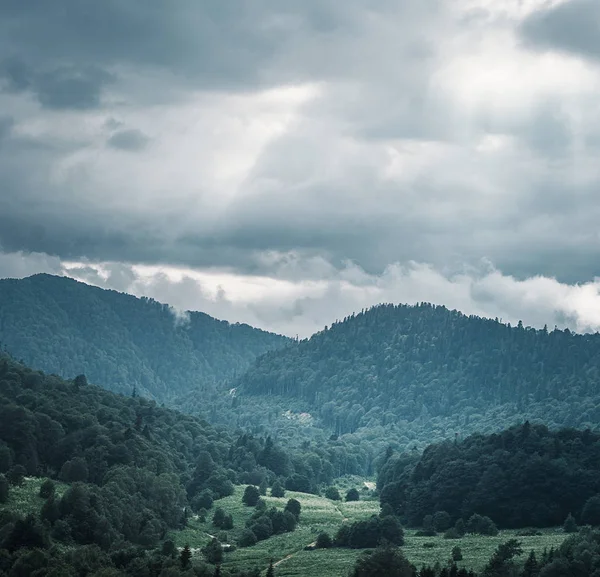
x=424 y=373
x=118 y=341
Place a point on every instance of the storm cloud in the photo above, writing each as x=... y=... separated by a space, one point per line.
x=334 y=136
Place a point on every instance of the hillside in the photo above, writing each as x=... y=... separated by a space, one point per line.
x=62 y=326
x=424 y=373
x=525 y=476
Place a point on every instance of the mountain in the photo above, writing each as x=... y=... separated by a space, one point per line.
x=419 y=374
x=119 y=341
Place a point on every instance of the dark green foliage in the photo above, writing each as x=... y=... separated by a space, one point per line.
x=47 y=489
x=452 y=533
x=294 y=507
x=501 y=562
x=213 y=552
x=203 y=500
x=16 y=475
x=384 y=562
x=590 y=514
x=460 y=527
x=299 y=483
x=457 y=554
x=441 y=521
x=263 y=487
x=120 y=341
x=531 y=567
x=370 y=533
x=185 y=558
x=333 y=494
x=277 y=489
x=26 y=533
x=352 y=495
x=247 y=538
x=324 y=541
x=433 y=369
x=570 y=525
x=270 y=570
x=4 y=489
x=526 y=476
x=168 y=549
x=481 y=525
x=251 y=496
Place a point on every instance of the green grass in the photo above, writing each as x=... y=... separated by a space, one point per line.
x=320 y=514
x=26 y=498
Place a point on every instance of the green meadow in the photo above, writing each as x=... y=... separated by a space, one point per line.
x=320 y=514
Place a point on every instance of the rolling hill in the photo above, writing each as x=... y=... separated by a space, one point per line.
x=118 y=341
x=425 y=373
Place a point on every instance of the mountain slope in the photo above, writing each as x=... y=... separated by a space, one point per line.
x=119 y=341
x=428 y=368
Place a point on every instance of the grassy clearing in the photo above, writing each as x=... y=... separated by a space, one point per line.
x=26 y=498
x=320 y=514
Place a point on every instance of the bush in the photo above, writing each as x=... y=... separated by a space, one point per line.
x=293 y=506
x=369 y=533
x=441 y=521
x=277 y=490
x=352 y=495
x=452 y=533
x=47 y=489
x=333 y=494
x=247 y=538
x=481 y=525
x=460 y=527
x=425 y=533
x=203 y=500
x=324 y=541
x=456 y=554
x=299 y=483
x=213 y=552
x=251 y=496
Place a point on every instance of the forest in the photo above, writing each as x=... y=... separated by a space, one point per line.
x=121 y=342
x=146 y=423
x=525 y=476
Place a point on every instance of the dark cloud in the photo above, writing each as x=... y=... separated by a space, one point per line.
x=572 y=26
x=131 y=140
x=63 y=87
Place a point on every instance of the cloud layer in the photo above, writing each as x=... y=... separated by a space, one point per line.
x=287 y=146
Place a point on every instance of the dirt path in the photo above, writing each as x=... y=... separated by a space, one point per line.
x=276 y=564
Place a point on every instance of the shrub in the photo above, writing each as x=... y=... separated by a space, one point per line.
x=481 y=525
x=247 y=538
x=251 y=496
x=352 y=495
x=277 y=489
x=333 y=494
x=441 y=521
x=203 y=500
x=456 y=554
x=460 y=527
x=452 y=533
x=47 y=489
x=293 y=506
x=324 y=541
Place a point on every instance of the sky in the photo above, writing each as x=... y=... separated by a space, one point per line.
x=286 y=163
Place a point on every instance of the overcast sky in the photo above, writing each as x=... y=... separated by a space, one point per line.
x=284 y=163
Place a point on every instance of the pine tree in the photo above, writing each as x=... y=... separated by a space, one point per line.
x=186 y=557
x=531 y=567
x=271 y=570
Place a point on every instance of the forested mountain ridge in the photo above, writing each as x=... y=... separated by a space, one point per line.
x=66 y=327
x=426 y=367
